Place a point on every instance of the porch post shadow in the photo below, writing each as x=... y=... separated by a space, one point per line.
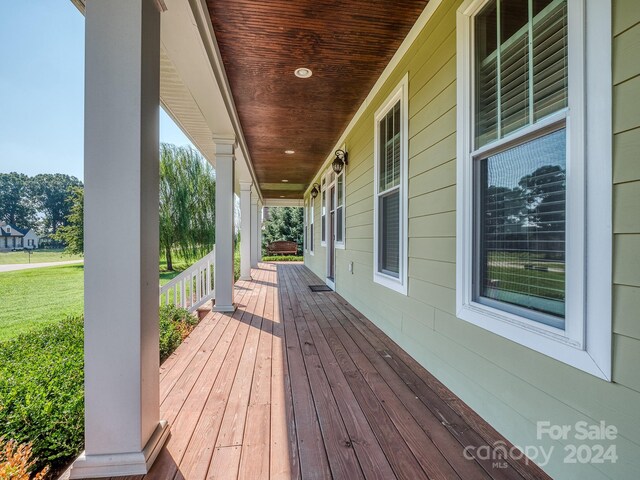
x=123 y=432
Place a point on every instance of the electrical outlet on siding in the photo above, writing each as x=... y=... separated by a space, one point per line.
x=351 y=267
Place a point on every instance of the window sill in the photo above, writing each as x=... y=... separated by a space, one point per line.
x=390 y=282
x=541 y=338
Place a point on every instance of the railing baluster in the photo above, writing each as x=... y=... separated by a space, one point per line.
x=192 y=286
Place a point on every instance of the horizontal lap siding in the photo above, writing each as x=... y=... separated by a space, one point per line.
x=626 y=193
x=512 y=387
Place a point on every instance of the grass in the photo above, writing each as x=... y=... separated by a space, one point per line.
x=39 y=296
x=530 y=282
x=38 y=256
x=42 y=296
x=48 y=295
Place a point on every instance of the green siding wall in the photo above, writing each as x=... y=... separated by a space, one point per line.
x=511 y=386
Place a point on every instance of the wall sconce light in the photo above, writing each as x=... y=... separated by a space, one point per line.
x=315 y=190
x=340 y=161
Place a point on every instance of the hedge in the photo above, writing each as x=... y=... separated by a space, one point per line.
x=42 y=385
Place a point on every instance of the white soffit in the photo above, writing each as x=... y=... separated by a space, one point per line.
x=189 y=89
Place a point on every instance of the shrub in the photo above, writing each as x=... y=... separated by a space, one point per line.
x=42 y=389
x=283 y=258
x=175 y=324
x=16 y=462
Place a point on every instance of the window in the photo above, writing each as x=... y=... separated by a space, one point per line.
x=306 y=225
x=529 y=143
x=390 y=204
x=311 y=222
x=323 y=214
x=340 y=194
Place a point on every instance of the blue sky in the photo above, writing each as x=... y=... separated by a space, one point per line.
x=42 y=89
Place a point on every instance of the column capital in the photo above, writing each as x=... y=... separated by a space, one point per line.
x=225 y=144
x=224 y=139
x=246 y=186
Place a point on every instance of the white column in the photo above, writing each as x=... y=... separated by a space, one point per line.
x=255 y=220
x=259 y=233
x=123 y=430
x=223 y=270
x=246 y=233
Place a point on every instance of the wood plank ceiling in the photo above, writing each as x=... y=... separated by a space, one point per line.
x=346 y=43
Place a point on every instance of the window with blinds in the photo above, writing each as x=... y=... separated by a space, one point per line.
x=323 y=217
x=312 y=237
x=521 y=77
x=521 y=65
x=340 y=209
x=389 y=192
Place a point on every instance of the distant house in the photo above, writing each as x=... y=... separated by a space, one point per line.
x=12 y=238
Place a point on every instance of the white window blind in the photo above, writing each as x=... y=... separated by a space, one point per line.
x=520 y=220
x=340 y=208
x=521 y=65
x=389 y=192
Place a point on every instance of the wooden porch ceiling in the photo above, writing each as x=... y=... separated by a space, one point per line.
x=299 y=385
x=346 y=43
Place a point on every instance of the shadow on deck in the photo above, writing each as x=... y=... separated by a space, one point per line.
x=298 y=384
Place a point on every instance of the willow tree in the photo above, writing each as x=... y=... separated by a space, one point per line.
x=187 y=203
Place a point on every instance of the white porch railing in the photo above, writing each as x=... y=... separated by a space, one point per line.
x=193 y=287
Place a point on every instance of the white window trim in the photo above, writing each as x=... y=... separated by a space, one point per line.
x=323 y=192
x=305 y=226
x=586 y=343
x=343 y=244
x=401 y=92
x=312 y=230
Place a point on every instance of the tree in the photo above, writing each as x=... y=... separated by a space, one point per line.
x=283 y=223
x=16 y=207
x=187 y=203
x=51 y=195
x=72 y=234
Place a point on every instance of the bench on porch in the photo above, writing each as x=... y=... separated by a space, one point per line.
x=282 y=247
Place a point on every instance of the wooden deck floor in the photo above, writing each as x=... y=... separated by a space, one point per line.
x=298 y=384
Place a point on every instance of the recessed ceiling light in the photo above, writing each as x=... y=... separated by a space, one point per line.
x=281 y=196
x=284 y=180
x=303 y=72
x=289 y=152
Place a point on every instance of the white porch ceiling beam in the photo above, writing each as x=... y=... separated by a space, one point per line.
x=284 y=202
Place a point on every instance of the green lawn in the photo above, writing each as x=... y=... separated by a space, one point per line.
x=37 y=256
x=39 y=296
x=43 y=295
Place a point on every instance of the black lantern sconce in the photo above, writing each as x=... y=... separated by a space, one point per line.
x=340 y=161
x=315 y=190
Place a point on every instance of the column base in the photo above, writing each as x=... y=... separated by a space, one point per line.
x=121 y=464
x=224 y=308
x=245 y=278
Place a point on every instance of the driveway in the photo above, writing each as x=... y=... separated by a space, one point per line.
x=27 y=266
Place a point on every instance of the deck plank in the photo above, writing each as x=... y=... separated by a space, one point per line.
x=339 y=445
x=254 y=461
x=284 y=463
x=300 y=385
x=311 y=450
x=373 y=461
x=458 y=417
x=200 y=450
